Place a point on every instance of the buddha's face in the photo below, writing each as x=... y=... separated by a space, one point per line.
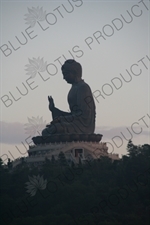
x=69 y=76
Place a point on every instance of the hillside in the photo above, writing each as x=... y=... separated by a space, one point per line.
x=101 y=192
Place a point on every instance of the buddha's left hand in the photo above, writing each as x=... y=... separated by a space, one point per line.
x=56 y=120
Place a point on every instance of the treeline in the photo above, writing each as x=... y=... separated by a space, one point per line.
x=100 y=192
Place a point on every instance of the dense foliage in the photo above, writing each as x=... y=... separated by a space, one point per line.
x=101 y=192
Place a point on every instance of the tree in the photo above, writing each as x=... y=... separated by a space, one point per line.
x=53 y=159
x=9 y=164
x=62 y=159
x=132 y=149
x=1 y=164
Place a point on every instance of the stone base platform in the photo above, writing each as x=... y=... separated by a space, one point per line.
x=66 y=138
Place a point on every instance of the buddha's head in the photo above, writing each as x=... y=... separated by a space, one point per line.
x=72 y=71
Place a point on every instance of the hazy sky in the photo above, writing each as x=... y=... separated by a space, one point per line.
x=111 y=39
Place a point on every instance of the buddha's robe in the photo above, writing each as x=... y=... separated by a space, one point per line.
x=81 y=118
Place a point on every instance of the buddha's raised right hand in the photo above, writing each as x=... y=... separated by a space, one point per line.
x=51 y=103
